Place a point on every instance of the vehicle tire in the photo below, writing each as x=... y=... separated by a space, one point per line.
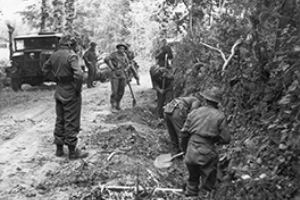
x=16 y=84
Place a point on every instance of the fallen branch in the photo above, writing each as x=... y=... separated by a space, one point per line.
x=116 y=187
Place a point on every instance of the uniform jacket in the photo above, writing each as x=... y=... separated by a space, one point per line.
x=184 y=104
x=157 y=74
x=119 y=62
x=90 y=56
x=160 y=55
x=204 y=127
x=64 y=65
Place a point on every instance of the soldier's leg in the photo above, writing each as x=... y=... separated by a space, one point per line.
x=90 y=75
x=209 y=175
x=160 y=103
x=72 y=127
x=121 y=91
x=192 y=186
x=178 y=120
x=172 y=131
x=136 y=75
x=59 y=131
x=114 y=92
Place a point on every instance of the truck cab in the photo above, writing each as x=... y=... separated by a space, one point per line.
x=30 y=53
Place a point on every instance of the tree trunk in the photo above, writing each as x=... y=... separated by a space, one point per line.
x=44 y=15
x=70 y=16
x=58 y=13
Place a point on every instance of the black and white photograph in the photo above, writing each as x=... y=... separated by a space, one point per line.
x=150 y=100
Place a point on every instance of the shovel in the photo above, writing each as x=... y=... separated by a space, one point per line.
x=165 y=160
x=130 y=89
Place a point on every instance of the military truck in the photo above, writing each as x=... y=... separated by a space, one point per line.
x=30 y=53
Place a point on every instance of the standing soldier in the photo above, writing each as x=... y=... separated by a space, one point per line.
x=69 y=77
x=90 y=59
x=132 y=64
x=175 y=114
x=162 y=81
x=162 y=75
x=164 y=54
x=203 y=128
x=117 y=62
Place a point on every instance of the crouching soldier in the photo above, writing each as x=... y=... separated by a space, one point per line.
x=64 y=65
x=203 y=128
x=162 y=81
x=175 y=114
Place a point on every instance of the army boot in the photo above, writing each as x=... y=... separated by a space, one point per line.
x=59 y=150
x=114 y=108
x=118 y=107
x=76 y=153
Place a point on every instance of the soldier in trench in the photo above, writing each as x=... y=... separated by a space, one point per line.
x=162 y=75
x=203 y=129
x=175 y=114
x=64 y=65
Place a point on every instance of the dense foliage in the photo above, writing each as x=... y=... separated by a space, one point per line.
x=250 y=49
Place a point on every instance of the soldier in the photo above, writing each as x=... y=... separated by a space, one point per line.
x=162 y=81
x=175 y=114
x=133 y=70
x=90 y=59
x=204 y=127
x=64 y=65
x=164 y=54
x=117 y=62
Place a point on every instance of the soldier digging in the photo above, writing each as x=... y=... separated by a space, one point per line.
x=203 y=129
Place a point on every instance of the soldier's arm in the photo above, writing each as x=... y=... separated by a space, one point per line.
x=109 y=63
x=74 y=63
x=47 y=67
x=195 y=104
x=224 y=137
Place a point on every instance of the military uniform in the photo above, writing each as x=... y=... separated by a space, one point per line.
x=69 y=77
x=162 y=81
x=175 y=114
x=203 y=128
x=133 y=70
x=90 y=58
x=160 y=56
x=119 y=63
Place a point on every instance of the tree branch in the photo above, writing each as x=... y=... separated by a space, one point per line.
x=226 y=60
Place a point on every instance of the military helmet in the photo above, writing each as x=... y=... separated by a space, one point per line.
x=214 y=94
x=122 y=45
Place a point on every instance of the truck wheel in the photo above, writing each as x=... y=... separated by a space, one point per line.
x=16 y=84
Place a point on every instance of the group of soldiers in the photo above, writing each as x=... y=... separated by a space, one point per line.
x=194 y=127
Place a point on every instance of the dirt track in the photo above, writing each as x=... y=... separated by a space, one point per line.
x=28 y=167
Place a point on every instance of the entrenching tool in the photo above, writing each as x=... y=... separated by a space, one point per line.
x=165 y=160
x=130 y=89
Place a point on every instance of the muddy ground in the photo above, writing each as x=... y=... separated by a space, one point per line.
x=122 y=147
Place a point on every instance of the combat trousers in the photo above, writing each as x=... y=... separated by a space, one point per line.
x=117 y=90
x=175 y=122
x=91 y=75
x=67 y=124
x=208 y=174
x=161 y=98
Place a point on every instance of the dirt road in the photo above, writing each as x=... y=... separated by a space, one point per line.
x=119 y=144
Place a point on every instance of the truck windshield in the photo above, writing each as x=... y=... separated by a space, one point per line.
x=36 y=43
